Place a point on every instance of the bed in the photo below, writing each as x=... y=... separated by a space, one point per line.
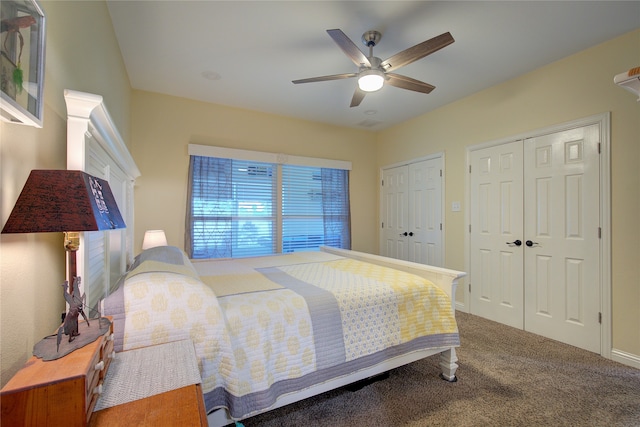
x=272 y=330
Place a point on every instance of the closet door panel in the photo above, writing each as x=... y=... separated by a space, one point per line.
x=425 y=212
x=395 y=204
x=562 y=288
x=496 y=264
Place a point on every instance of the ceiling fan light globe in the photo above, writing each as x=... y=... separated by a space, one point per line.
x=371 y=80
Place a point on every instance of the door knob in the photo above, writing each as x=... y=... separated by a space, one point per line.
x=404 y=234
x=530 y=243
x=515 y=242
x=411 y=233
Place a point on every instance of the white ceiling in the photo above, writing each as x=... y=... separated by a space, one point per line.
x=254 y=49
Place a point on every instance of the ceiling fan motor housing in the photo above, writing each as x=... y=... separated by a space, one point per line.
x=375 y=64
x=371 y=38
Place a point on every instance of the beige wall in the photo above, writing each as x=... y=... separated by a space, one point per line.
x=575 y=87
x=81 y=54
x=163 y=126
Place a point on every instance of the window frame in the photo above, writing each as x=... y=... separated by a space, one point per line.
x=279 y=161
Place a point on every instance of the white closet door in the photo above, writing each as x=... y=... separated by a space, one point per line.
x=412 y=212
x=534 y=242
x=562 y=217
x=496 y=234
x=395 y=195
x=425 y=212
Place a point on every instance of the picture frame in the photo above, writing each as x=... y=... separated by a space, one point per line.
x=22 y=55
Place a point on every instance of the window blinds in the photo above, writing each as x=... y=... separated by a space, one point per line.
x=315 y=208
x=241 y=208
x=231 y=208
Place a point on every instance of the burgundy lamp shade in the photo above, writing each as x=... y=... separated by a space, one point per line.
x=64 y=200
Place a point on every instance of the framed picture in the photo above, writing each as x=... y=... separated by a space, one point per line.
x=22 y=37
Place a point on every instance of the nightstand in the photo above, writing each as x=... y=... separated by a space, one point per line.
x=61 y=392
x=152 y=386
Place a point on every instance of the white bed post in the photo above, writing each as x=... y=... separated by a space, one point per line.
x=448 y=365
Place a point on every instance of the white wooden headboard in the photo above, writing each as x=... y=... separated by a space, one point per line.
x=94 y=145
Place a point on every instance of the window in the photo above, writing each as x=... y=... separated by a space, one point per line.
x=239 y=208
x=315 y=208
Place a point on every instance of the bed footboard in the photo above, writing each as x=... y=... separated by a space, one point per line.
x=444 y=278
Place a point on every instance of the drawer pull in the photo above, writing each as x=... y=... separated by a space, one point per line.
x=99 y=366
x=98 y=389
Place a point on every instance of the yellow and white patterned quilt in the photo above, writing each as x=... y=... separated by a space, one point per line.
x=268 y=326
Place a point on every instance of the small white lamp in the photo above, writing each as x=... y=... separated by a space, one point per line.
x=153 y=238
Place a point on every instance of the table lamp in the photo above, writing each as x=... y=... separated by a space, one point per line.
x=153 y=238
x=68 y=201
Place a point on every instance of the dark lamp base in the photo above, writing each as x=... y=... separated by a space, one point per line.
x=47 y=349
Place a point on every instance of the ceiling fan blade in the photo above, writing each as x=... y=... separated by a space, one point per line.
x=405 y=82
x=358 y=96
x=349 y=48
x=325 y=78
x=416 y=52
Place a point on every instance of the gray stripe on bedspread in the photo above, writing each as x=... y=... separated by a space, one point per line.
x=325 y=317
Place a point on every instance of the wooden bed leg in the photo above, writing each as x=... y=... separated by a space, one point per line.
x=448 y=365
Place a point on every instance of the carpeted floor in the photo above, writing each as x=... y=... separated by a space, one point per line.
x=507 y=377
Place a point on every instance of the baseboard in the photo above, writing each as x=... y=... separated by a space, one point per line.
x=625 y=358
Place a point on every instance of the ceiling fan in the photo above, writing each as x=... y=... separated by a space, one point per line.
x=373 y=72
